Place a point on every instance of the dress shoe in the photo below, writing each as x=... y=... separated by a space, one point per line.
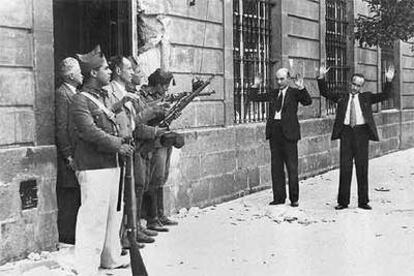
x=294 y=204
x=148 y=232
x=156 y=226
x=274 y=202
x=364 y=206
x=340 y=207
x=166 y=221
x=141 y=237
x=126 y=245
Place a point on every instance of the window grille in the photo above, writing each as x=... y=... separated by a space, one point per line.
x=387 y=58
x=336 y=48
x=251 y=56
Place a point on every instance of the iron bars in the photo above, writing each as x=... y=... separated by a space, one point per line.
x=251 y=56
x=336 y=48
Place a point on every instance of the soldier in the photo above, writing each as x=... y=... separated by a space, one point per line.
x=159 y=161
x=130 y=116
x=67 y=187
x=96 y=153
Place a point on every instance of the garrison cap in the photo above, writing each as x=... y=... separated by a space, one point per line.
x=160 y=77
x=91 y=60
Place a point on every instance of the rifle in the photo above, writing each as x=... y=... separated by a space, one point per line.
x=177 y=108
x=137 y=263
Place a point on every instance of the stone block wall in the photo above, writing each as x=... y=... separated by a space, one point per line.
x=219 y=163
x=27 y=153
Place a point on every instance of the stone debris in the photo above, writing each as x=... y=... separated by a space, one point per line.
x=194 y=211
x=34 y=256
x=382 y=189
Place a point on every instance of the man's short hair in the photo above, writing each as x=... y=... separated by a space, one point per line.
x=359 y=75
x=133 y=61
x=67 y=66
x=284 y=70
x=114 y=62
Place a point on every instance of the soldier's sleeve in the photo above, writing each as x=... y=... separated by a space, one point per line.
x=86 y=128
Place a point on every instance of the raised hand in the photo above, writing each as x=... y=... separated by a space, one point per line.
x=322 y=71
x=257 y=81
x=390 y=73
x=298 y=80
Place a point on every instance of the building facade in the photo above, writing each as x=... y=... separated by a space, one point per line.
x=226 y=154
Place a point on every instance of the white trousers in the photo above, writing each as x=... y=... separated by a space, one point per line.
x=98 y=223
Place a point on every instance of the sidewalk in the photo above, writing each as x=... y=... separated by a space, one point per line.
x=246 y=237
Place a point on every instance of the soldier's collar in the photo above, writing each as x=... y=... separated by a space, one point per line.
x=97 y=92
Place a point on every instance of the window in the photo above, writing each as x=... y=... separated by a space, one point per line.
x=336 y=48
x=251 y=56
x=387 y=58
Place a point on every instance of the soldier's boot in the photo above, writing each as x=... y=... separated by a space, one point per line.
x=141 y=237
x=146 y=231
x=160 y=204
x=153 y=222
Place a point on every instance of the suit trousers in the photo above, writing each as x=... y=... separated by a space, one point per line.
x=68 y=202
x=97 y=229
x=354 y=147
x=283 y=152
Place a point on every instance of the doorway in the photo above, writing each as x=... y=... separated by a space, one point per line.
x=80 y=25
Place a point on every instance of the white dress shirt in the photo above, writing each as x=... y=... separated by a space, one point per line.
x=128 y=105
x=358 y=112
x=71 y=88
x=278 y=115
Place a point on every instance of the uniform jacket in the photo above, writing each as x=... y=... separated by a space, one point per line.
x=95 y=136
x=289 y=120
x=366 y=99
x=63 y=99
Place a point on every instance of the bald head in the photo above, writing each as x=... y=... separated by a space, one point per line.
x=282 y=78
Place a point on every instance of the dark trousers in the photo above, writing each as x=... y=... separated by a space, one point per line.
x=283 y=152
x=68 y=201
x=354 y=146
x=159 y=171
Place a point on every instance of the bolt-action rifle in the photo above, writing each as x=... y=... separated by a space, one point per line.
x=177 y=108
x=137 y=263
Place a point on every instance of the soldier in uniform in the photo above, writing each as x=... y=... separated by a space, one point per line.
x=67 y=187
x=130 y=116
x=159 y=157
x=97 y=150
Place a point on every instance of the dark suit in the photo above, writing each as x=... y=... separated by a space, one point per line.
x=283 y=136
x=67 y=187
x=354 y=140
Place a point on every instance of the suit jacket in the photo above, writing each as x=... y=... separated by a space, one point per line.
x=366 y=99
x=289 y=120
x=95 y=136
x=63 y=99
x=141 y=111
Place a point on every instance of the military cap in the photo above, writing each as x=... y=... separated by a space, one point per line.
x=160 y=77
x=91 y=60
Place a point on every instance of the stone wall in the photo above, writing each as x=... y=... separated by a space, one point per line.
x=219 y=163
x=27 y=153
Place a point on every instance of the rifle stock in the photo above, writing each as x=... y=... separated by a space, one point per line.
x=137 y=263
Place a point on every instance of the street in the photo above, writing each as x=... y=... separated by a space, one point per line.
x=248 y=237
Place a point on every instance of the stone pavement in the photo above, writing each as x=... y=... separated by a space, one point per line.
x=246 y=237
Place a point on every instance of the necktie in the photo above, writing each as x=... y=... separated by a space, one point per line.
x=352 y=112
x=279 y=101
